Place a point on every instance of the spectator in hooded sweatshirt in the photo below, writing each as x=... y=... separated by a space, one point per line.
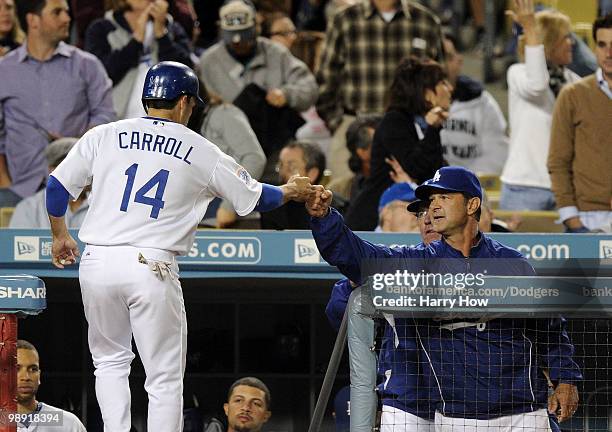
x=474 y=135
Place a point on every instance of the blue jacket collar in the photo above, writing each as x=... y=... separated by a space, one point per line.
x=475 y=252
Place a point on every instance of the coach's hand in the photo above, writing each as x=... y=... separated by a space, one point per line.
x=319 y=202
x=64 y=251
x=564 y=401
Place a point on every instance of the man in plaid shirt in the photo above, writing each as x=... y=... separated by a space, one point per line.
x=364 y=44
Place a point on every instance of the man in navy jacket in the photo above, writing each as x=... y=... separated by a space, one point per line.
x=486 y=373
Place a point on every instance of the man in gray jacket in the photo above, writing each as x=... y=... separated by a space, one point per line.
x=242 y=58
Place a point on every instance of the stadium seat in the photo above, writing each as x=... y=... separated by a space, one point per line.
x=492 y=185
x=490 y=182
x=533 y=221
x=5 y=216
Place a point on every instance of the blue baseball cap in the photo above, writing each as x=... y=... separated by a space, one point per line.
x=417 y=205
x=396 y=192
x=451 y=179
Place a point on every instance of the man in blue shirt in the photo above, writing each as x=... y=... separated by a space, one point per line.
x=49 y=90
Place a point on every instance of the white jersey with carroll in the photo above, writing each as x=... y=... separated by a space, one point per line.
x=152 y=180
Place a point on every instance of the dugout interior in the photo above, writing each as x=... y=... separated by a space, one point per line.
x=274 y=329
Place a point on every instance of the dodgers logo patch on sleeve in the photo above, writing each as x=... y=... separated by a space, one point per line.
x=244 y=175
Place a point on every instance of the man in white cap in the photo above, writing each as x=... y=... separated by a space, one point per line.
x=32 y=211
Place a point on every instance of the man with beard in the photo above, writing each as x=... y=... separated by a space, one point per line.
x=248 y=405
x=49 y=90
x=36 y=416
x=241 y=58
x=260 y=77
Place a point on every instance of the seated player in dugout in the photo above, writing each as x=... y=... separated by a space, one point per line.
x=248 y=405
x=38 y=416
x=516 y=394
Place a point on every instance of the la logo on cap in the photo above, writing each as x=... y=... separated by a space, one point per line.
x=436 y=177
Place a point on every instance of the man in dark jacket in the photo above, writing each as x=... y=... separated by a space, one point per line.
x=487 y=373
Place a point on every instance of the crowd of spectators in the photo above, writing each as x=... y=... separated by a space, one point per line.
x=375 y=87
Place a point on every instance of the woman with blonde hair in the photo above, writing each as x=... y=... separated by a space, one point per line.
x=545 y=49
x=11 y=35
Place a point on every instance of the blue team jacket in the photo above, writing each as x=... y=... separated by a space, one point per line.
x=483 y=372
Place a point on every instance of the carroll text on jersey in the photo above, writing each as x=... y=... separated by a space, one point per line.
x=154 y=143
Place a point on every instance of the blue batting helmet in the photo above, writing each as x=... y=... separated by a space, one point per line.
x=168 y=80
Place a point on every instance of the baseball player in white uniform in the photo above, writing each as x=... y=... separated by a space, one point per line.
x=33 y=415
x=152 y=179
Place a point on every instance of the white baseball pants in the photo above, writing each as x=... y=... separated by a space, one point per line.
x=124 y=296
x=396 y=420
x=536 y=421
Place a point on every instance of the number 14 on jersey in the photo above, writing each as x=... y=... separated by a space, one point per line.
x=158 y=181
